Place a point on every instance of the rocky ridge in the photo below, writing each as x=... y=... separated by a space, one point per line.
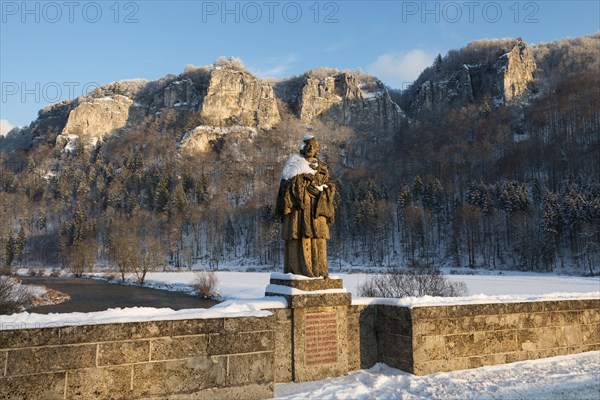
x=505 y=79
x=227 y=95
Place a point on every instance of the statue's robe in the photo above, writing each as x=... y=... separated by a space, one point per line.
x=306 y=213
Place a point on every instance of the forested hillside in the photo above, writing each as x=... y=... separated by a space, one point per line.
x=491 y=159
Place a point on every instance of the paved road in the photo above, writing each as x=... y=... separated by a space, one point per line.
x=93 y=295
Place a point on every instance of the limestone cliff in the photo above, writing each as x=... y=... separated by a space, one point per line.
x=238 y=98
x=516 y=72
x=504 y=78
x=343 y=98
x=99 y=117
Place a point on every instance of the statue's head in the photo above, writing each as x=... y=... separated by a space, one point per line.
x=310 y=148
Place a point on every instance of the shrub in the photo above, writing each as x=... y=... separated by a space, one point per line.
x=424 y=281
x=14 y=297
x=205 y=284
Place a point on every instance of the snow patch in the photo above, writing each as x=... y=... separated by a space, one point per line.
x=27 y=320
x=476 y=299
x=286 y=290
x=296 y=165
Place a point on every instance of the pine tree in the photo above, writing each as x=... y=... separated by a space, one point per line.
x=20 y=245
x=9 y=250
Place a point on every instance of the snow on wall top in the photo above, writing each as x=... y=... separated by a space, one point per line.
x=27 y=320
x=427 y=301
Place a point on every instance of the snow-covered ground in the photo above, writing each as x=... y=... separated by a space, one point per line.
x=561 y=378
x=251 y=285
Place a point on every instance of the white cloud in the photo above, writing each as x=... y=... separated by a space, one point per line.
x=278 y=67
x=400 y=69
x=5 y=127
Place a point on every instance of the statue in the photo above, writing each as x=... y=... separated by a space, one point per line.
x=305 y=205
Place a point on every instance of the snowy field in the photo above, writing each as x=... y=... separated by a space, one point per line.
x=251 y=285
x=574 y=377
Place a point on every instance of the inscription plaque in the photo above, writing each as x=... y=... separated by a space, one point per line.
x=321 y=338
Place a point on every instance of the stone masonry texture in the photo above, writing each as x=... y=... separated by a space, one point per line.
x=202 y=358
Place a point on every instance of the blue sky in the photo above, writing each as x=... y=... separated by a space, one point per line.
x=54 y=50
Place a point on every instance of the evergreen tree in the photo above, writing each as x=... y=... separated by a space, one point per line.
x=20 y=245
x=9 y=250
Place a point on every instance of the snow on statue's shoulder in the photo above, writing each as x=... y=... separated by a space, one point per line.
x=296 y=165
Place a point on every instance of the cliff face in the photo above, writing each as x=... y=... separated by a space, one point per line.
x=225 y=96
x=360 y=102
x=516 y=72
x=506 y=79
x=98 y=117
x=238 y=98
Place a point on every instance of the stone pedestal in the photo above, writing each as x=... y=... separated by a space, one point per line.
x=319 y=307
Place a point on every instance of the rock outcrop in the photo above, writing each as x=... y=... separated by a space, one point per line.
x=506 y=79
x=516 y=69
x=203 y=138
x=99 y=117
x=343 y=98
x=238 y=98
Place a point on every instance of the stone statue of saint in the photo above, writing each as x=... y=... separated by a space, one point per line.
x=305 y=205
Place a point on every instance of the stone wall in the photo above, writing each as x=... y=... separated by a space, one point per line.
x=201 y=358
x=422 y=340
x=243 y=357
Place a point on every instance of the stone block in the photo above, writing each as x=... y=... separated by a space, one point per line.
x=126 y=352
x=368 y=337
x=143 y=330
x=516 y=356
x=486 y=343
x=353 y=327
x=310 y=284
x=197 y=326
x=88 y=333
x=460 y=345
x=100 y=383
x=510 y=321
x=317 y=299
x=12 y=339
x=250 y=368
x=242 y=342
x=49 y=386
x=167 y=378
x=282 y=314
x=403 y=327
x=525 y=307
x=436 y=312
x=509 y=341
x=571 y=335
x=490 y=359
x=248 y=324
x=401 y=347
x=178 y=347
x=245 y=392
x=283 y=351
x=548 y=338
x=428 y=348
x=591 y=334
x=440 y=366
x=49 y=359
